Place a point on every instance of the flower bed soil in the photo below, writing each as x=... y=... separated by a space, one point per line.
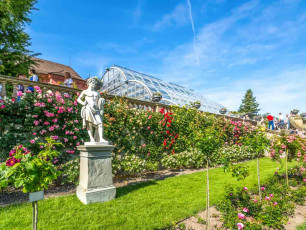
x=198 y=222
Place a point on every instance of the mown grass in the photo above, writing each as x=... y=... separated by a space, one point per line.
x=302 y=227
x=148 y=205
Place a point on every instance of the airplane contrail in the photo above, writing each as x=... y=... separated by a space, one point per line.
x=194 y=34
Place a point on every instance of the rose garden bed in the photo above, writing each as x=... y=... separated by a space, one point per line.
x=149 y=205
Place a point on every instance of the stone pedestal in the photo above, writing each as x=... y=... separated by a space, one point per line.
x=96 y=181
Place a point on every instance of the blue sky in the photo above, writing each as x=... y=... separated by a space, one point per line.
x=235 y=45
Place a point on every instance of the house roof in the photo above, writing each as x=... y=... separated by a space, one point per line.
x=46 y=67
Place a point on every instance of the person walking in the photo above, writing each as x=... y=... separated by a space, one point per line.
x=20 y=87
x=69 y=81
x=281 y=121
x=287 y=121
x=271 y=123
x=33 y=77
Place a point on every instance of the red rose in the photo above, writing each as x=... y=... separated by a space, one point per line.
x=11 y=161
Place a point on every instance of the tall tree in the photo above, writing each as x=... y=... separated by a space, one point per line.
x=14 y=41
x=249 y=103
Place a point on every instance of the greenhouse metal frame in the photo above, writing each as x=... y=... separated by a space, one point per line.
x=121 y=81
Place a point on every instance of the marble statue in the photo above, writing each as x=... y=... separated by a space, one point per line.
x=92 y=110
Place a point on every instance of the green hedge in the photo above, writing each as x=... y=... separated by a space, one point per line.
x=144 y=140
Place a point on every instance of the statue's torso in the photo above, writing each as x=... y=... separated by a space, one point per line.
x=91 y=97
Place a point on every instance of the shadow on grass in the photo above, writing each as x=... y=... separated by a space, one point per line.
x=122 y=191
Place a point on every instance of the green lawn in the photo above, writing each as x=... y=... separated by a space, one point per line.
x=302 y=227
x=148 y=205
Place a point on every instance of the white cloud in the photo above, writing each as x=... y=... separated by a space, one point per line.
x=179 y=16
x=275 y=93
x=230 y=50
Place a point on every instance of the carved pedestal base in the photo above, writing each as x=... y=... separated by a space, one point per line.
x=96 y=181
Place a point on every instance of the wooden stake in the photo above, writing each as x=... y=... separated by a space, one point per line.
x=287 y=180
x=259 y=190
x=207 y=198
x=35 y=215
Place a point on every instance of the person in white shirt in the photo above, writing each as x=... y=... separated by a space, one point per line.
x=33 y=77
x=281 y=119
x=69 y=81
x=287 y=122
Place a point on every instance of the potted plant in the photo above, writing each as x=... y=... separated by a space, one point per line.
x=295 y=111
x=157 y=96
x=223 y=110
x=31 y=172
x=196 y=104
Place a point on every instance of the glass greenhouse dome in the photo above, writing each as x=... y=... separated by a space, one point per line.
x=121 y=81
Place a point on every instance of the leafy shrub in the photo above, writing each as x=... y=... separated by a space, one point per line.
x=132 y=164
x=70 y=172
x=187 y=159
x=32 y=172
x=241 y=206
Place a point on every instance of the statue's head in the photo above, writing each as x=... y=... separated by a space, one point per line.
x=94 y=83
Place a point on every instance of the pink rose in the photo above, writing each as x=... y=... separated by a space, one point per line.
x=241 y=216
x=240 y=226
x=245 y=188
x=32 y=141
x=245 y=209
x=263 y=188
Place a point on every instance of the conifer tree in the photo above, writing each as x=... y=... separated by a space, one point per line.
x=15 y=56
x=249 y=103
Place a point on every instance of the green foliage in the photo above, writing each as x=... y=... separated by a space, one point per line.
x=249 y=104
x=70 y=172
x=36 y=117
x=302 y=227
x=132 y=164
x=149 y=205
x=238 y=170
x=144 y=140
x=294 y=145
x=30 y=171
x=187 y=159
x=272 y=212
x=257 y=140
x=14 y=52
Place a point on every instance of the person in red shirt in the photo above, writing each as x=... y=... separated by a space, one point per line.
x=271 y=123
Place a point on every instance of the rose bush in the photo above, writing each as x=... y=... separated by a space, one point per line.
x=147 y=139
x=33 y=172
x=242 y=207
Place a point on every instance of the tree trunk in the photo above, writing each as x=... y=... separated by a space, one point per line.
x=35 y=215
x=258 y=176
x=207 y=198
